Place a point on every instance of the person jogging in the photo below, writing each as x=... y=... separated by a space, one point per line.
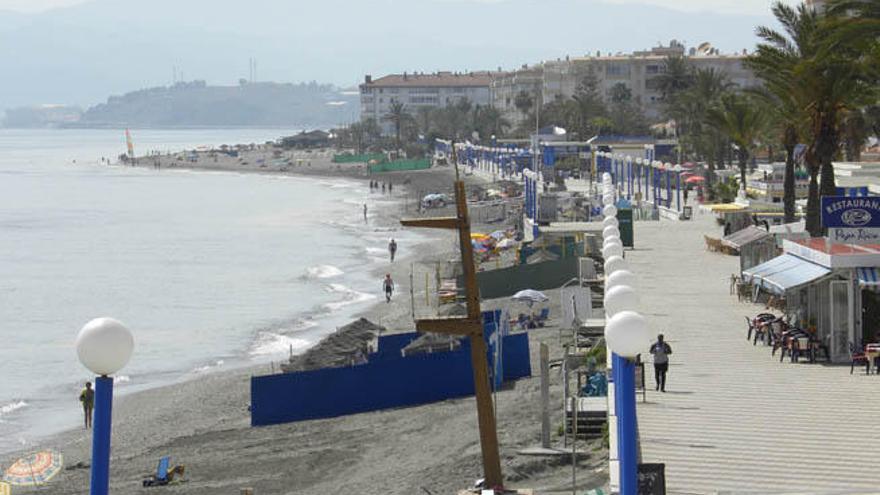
x=661 y=351
x=87 y=397
x=388 y=285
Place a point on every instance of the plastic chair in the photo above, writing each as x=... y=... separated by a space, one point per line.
x=857 y=357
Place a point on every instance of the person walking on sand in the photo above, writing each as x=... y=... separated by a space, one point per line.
x=365 y=212
x=383 y=188
x=661 y=351
x=389 y=187
x=87 y=397
x=388 y=285
x=392 y=249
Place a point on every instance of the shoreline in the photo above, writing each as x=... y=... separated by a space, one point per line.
x=204 y=422
x=384 y=216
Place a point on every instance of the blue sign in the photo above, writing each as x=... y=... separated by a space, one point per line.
x=851 y=212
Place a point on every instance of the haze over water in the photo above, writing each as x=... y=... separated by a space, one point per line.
x=209 y=270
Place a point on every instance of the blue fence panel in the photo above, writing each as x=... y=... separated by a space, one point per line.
x=379 y=384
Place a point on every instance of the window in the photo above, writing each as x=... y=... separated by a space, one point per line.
x=424 y=100
x=617 y=71
x=652 y=69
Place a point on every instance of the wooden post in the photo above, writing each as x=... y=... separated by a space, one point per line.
x=545 y=396
x=472 y=327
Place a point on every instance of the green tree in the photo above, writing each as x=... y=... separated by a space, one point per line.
x=742 y=120
x=523 y=102
x=397 y=115
x=676 y=78
x=774 y=62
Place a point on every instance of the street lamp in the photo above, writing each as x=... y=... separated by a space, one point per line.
x=614 y=264
x=620 y=277
x=608 y=221
x=612 y=250
x=104 y=346
x=627 y=336
x=620 y=298
x=609 y=211
x=610 y=231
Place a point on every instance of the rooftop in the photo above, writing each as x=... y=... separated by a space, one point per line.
x=437 y=79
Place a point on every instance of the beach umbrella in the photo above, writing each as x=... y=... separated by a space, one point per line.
x=35 y=469
x=697 y=179
x=530 y=296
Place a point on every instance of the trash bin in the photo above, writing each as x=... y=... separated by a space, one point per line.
x=625 y=222
x=687 y=212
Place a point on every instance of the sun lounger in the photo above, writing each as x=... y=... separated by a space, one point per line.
x=164 y=475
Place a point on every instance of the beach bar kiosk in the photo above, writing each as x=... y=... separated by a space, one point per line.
x=832 y=283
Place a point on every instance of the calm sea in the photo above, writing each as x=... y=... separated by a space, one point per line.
x=209 y=270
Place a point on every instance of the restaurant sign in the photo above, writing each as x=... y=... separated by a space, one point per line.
x=853 y=220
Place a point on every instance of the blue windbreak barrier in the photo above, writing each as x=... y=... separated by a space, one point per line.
x=388 y=380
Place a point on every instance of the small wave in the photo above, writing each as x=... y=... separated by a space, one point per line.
x=12 y=407
x=122 y=379
x=350 y=296
x=323 y=271
x=270 y=343
x=209 y=367
x=376 y=250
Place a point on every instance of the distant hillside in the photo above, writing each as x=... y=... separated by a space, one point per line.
x=248 y=104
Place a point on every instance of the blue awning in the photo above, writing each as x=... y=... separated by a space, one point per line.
x=868 y=278
x=784 y=273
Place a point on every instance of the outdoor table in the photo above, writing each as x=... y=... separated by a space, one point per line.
x=872 y=352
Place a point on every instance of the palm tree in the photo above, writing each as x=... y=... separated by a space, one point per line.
x=397 y=115
x=742 y=120
x=774 y=62
x=820 y=84
x=677 y=77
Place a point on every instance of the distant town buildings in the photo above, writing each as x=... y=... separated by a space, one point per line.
x=637 y=71
x=516 y=93
x=416 y=90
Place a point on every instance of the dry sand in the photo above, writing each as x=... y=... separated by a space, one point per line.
x=432 y=449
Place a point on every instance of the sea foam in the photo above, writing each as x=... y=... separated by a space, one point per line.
x=323 y=271
x=12 y=407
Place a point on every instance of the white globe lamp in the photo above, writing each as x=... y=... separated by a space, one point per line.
x=609 y=211
x=620 y=298
x=612 y=250
x=104 y=346
x=627 y=334
x=620 y=277
x=610 y=231
x=612 y=240
x=609 y=221
x=614 y=264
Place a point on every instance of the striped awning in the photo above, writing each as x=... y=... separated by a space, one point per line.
x=784 y=273
x=869 y=278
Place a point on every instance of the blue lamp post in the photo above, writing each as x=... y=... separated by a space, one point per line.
x=104 y=346
x=626 y=334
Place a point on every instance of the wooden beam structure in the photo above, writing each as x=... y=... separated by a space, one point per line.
x=470 y=326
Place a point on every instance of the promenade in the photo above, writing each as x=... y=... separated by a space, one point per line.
x=734 y=419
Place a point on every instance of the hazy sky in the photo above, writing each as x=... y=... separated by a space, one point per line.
x=756 y=7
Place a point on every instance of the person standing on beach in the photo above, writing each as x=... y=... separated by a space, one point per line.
x=388 y=285
x=392 y=249
x=383 y=188
x=661 y=351
x=389 y=187
x=87 y=397
x=365 y=212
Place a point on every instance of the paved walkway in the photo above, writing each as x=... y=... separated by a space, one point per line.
x=734 y=419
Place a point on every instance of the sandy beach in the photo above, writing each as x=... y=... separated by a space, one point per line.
x=204 y=424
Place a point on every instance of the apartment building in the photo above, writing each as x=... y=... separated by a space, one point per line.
x=417 y=90
x=638 y=71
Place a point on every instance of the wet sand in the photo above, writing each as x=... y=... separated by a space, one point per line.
x=204 y=423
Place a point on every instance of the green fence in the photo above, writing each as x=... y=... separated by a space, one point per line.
x=400 y=165
x=362 y=158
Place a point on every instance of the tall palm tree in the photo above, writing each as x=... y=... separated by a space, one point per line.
x=824 y=83
x=677 y=76
x=774 y=62
x=397 y=115
x=742 y=120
